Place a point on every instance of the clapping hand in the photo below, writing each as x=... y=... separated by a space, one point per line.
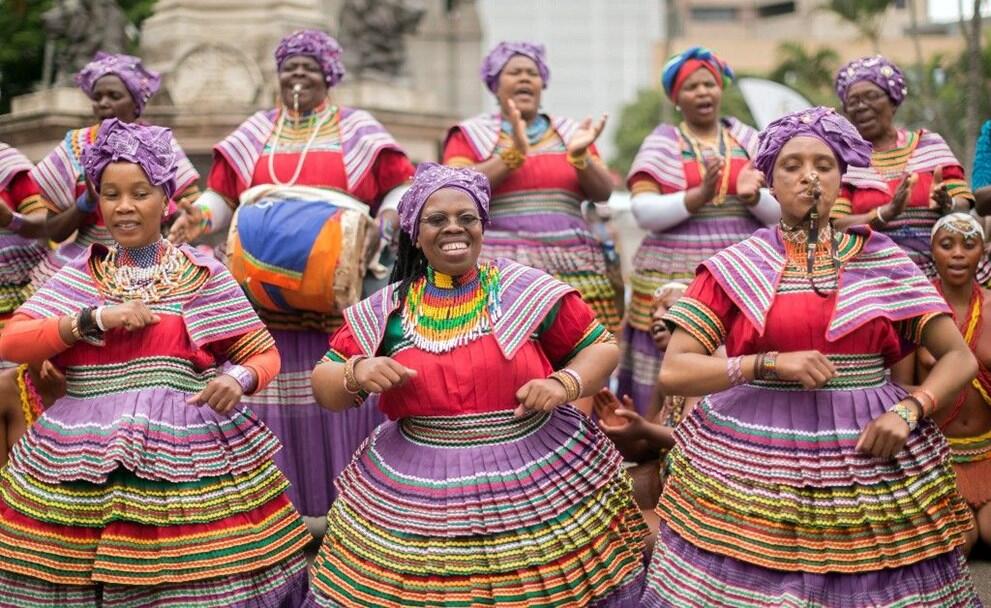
x=586 y=134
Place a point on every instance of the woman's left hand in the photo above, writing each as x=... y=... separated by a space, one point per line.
x=541 y=395
x=585 y=135
x=221 y=394
x=939 y=196
x=748 y=184
x=884 y=437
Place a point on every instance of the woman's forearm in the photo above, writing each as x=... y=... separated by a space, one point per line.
x=949 y=376
x=845 y=221
x=495 y=169
x=695 y=374
x=595 y=181
x=60 y=226
x=594 y=364
x=328 y=387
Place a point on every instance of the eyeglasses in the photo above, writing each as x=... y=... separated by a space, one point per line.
x=439 y=221
x=868 y=99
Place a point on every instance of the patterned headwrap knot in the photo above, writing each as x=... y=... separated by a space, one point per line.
x=877 y=70
x=964 y=224
x=820 y=122
x=431 y=177
x=499 y=56
x=316 y=45
x=147 y=146
x=681 y=66
x=141 y=82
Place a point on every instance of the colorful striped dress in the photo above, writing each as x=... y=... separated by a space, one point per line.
x=920 y=152
x=536 y=212
x=122 y=495
x=18 y=255
x=454 y=501
x=61 y=179
x=767 y=503
x=670 y=161
x=353 y=154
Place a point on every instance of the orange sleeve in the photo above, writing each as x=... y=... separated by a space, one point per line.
x=27 y=340
x=266 y=366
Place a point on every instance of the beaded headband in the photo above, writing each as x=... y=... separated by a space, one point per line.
x=963 y=224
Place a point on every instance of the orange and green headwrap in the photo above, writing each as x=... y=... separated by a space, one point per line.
x=684 y=64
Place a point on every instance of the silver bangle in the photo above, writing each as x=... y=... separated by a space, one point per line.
x=98 y=317
x=880 y=217
x=244 y=376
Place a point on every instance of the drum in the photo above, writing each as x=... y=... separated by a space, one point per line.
x=295 y=248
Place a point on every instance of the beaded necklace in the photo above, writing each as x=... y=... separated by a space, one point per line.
x=319 y=121
x=724 y=151
x=31 y=403
x=443 y=312
x=142 y=273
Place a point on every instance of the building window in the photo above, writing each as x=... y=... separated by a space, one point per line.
x=714 y=13
x=776 y=9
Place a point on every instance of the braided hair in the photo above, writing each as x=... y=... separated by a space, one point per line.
x=410 y=265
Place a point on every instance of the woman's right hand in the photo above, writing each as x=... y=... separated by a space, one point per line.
x=810 y=368
x=520 y=140
x=131 y=316
x=381 y=374
x=713 y=175
x=900 y=199
x=188 y=226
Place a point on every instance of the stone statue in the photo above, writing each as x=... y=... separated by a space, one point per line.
x=80 y=28
x=371 y=32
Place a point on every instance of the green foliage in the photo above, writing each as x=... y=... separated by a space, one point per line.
x=22 y=42
x=809 y=73
x=864 y=15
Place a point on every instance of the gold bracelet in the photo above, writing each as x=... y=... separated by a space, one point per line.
x=74 y=327
x=512 y=157
x=579 y=162
x=350 y=382
x=571 y=388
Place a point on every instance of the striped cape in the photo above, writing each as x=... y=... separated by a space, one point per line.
x=660 y=153
x=879 y=281
x=482 y=131
x=12 y=162
x=58 y=173
x=218 y=311
x=362 y=139
x=528 y=295
x=930 y=153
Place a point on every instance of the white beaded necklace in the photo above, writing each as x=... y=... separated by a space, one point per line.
x=148 y=284
x=302 y=157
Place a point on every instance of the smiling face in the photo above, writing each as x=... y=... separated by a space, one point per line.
x=796 y=162
x=956 y=257
x=305 y=72
x=111 y=99
x=132 y=207
x=699 y=98
x=450 y=232
x=520 y=81
x=869 y=109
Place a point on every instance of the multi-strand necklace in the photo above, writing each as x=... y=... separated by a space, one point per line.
x=142 y=273
x=443 y=312
x=318 y=122
x=724 y=150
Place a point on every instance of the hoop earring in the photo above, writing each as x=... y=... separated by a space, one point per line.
x=677 y=108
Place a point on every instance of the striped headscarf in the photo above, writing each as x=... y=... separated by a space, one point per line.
x=681 y=66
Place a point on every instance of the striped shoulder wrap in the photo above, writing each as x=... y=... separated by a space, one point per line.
x=482 y=132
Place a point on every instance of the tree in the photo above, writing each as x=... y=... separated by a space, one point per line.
x=22 y=42
x=975 y=80
x=811 y=74
x=865 y=16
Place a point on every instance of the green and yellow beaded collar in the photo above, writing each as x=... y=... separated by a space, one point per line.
x=443 y=312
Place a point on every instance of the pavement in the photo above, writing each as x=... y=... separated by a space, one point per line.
x=980 y=571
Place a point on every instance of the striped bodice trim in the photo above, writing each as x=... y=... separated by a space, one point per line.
x=535 y=202
x=853 y=372
x=470 y=430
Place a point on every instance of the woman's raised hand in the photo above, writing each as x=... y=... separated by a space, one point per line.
x=520 y=140
x=381 y=374
x=810 y=368
x=939 y=196
x=131 y=316
x=748 y=184
x=586 y=134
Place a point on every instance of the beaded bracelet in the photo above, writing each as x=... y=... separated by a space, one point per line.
x=351 y=384
x=577 y=378
x=919 y=394
x=206 y=218
x=909 y=415
x=768 y=370
x=734 y=369
x=512 y=157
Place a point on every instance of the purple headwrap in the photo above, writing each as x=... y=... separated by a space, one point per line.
x=316 y=45
x=498 y=57
x=431 y=177
x=147 y=146
x=819 y=122
x=141 y=82
x=877 y=70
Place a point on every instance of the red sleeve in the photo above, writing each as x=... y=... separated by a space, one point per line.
x=570 y=327
x=25 y=194
x=705 y=311
x=343 y=345
x=222 y=179
x=457 y=148
x=391 y=169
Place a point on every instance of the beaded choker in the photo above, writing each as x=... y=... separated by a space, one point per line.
x=142 y=273
x=534 y=131
x=443 y=312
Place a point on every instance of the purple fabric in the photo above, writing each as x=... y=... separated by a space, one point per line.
x=141 y=82
x=431 y=177
x=316 y=444
x=316 y=45
x=640 y=360
x=820 y=122
x=876 y=69
x=145 y=145
x=504 y=51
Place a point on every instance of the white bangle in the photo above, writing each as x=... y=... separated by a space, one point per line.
x=98 y=317
x=877 y=212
